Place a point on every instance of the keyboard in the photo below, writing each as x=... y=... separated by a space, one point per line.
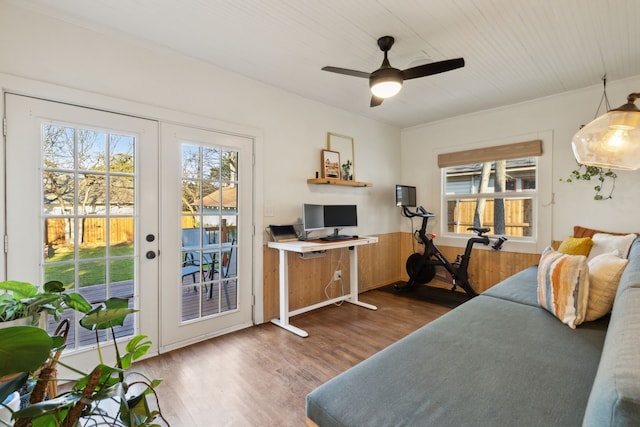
x=335 y=237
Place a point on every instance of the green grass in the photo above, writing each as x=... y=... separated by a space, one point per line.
x=91 y=264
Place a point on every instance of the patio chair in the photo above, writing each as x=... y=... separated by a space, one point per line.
x=197 y=259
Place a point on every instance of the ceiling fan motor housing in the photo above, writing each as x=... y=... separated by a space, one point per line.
x=385 y=43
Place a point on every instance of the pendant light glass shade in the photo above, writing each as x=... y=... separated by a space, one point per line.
x=612 y=140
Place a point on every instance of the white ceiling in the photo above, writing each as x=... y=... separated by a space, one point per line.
x=515 y=50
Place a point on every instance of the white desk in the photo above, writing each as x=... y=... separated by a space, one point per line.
x=313 y=246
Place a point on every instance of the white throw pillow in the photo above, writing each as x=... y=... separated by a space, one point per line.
x=605 y=271
x=604 y=243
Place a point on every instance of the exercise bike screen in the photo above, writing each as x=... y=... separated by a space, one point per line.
x=405 y=195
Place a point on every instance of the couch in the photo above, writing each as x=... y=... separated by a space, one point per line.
x=499 y=359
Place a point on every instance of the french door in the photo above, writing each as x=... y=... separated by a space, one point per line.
x=111 y=206
x=207 y=231
x=82 y=208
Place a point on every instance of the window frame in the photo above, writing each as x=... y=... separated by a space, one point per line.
x=543 y=204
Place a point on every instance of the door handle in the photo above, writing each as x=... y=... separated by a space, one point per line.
x=150 y=255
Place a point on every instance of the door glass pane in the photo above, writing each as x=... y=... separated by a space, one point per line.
x=59 y=190
x=209 y=231
x=91 y=150
x=89 y=215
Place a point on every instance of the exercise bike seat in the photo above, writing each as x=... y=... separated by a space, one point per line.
x=480 y=231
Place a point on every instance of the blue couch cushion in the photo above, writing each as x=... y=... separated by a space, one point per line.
x=615 y=396
x=489 y=362
x=631 y=276
x=522 y=287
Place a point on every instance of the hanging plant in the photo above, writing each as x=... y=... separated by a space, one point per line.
x=594 y=173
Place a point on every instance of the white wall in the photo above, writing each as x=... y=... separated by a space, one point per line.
x=126 y=75
x=113 y=70
x=560 y=115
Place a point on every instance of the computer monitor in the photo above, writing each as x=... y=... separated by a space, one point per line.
x=405 y=195
x=338 y=216
x=312 y=217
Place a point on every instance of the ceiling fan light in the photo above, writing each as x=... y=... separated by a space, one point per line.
x=611 y=140
x=385 y=82
x=386 y=89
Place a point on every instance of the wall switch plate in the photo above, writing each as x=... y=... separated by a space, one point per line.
x=269 y=210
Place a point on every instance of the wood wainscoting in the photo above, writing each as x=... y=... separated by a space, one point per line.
x=378 y=265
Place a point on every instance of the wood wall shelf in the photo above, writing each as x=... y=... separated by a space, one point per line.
x=331 y=181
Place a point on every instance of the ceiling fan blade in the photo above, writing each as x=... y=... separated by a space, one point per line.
x=375 y=101
x=432 y=68
x=347 y=71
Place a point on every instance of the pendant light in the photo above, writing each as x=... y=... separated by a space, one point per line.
x=611 y=140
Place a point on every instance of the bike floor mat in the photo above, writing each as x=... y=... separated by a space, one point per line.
x=439 y=296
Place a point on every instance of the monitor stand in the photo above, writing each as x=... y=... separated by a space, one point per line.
x=336 y=236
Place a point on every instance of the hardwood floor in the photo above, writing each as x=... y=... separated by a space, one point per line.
x=260 y=376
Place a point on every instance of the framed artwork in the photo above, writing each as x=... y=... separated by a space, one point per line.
x=344 y=145
x=330 y=164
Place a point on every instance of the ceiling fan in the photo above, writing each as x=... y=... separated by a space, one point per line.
x=386 y=81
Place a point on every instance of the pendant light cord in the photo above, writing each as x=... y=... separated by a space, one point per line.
x=604 y=97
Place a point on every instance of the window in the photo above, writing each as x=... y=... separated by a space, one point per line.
x=496 y=194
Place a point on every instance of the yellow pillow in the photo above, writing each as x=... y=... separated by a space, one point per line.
x=576 y=246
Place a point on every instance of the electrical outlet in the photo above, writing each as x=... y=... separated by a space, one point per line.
x=337 y=275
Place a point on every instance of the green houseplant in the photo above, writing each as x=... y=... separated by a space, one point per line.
x=108 y=395
x=23 y=301
x=595 y=173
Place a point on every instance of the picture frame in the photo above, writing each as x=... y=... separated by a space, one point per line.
x=330 y=164
x=344 y=145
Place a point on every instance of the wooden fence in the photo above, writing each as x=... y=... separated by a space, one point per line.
x=517 y=216
x=93 y=230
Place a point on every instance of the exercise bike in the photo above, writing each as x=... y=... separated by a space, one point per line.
x=421 y=266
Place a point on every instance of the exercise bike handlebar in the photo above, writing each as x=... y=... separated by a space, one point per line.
x=480 y=231
x=420 y=211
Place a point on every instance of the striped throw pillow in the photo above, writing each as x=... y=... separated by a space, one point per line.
x=563 y=286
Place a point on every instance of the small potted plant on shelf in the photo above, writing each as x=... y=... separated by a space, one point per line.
x=108 y=395
x=346 y=170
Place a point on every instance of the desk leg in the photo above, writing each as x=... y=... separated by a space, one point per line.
x=283 y=321
x=353 y=270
